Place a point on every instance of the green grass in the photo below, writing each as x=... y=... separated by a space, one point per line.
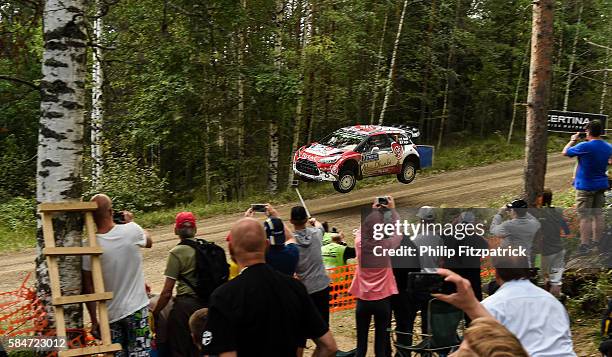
x=476 y=152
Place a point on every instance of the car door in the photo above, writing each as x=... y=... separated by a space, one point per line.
x=378 y=157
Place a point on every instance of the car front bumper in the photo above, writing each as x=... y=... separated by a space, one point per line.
x=322 y=176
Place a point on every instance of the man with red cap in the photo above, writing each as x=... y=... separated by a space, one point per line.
x=181 y=271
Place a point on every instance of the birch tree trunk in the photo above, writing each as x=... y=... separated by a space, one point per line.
x=207 y=171
x=297 y=127
x=540 y=74
x=572 y=60
x=604 y=86
x=379 y=59
x=97 y=100
x=389 y=83
x=516 y=92
x=426 y=75
x=60 y=146
x=273 y=127
x=241 y=106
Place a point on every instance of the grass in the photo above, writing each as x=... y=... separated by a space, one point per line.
x=466 y=154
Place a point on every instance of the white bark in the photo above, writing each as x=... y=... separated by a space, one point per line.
x=97 y=101
x=307 y=35
x=241 y=107
x=60 y=146
x=379 y=58
x=516 y=92
x=572 y=59
x=389 y=85
x=273 y=134
x=604 y=86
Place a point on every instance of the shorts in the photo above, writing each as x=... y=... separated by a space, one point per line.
x=553 y=267
x=590 y=203
x=133 y=333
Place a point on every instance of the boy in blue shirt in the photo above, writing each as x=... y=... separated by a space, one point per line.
x=591 y=181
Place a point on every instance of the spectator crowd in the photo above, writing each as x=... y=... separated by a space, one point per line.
x=267 y=293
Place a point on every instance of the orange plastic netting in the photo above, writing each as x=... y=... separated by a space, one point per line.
x=339 y=297
x=21 y=312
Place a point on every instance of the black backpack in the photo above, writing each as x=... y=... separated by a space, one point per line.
x=212 y=269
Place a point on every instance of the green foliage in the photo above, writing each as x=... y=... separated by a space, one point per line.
x=590 y=292
x=17 y=224
x=130 y=185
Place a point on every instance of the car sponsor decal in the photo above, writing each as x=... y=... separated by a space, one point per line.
x=398 y=150
x=370 y=157
x=403 y=140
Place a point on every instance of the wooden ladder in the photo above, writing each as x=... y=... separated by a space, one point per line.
x=52 y=253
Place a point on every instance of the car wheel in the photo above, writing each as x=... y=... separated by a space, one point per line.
x=346 y=181
x=408 y=172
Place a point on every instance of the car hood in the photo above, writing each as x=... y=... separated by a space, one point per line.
x=320 y=150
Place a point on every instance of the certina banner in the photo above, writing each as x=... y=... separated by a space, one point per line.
x=427 y=238
x=572 y=122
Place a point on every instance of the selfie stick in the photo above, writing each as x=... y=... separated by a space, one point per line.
x=303 y=203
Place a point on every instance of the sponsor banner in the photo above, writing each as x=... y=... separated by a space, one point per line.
x=572 y=122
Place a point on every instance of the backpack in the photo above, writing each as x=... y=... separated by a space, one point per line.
x=212 y=269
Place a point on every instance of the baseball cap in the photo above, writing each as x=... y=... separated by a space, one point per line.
x=185 y=220
x=426 y=212
x=275 y=230
x=298 y=213
x=467 y=217
x=518 y=203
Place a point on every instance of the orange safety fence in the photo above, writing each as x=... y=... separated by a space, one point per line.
x=22 y=313
x=339 y=297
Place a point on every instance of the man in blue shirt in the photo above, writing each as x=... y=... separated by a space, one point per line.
x=282 y=255
x=590 y=182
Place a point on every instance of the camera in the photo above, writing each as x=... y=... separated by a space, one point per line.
x=383 y=200
x=431 y=283
x=258 y=207
x=119 y=217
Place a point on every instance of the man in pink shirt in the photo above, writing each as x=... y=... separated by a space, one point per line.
x=374 y=282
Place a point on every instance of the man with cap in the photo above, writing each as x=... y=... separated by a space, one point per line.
x=181 y=271
x=519 y=230
x=428 y=238
x=310 y=268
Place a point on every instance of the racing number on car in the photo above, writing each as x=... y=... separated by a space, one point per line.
x=398 y=151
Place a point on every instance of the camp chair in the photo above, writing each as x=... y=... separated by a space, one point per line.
x=441 y=338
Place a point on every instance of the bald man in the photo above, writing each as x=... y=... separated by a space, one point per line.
x=261 y=312
x=123 y=276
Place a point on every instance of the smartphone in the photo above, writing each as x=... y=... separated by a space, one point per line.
x=432 y=283
x=295 y=183
x=118 y=217
x=382 y=200
x=582 y=135
x=258 y=207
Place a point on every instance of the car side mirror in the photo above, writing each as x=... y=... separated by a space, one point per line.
x=375 y=149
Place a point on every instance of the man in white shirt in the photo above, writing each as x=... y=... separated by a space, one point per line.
x=532 y=314
x=123 y=276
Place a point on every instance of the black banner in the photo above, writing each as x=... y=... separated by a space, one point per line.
x=572 y=122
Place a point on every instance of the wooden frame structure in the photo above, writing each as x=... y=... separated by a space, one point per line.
x=52 y=253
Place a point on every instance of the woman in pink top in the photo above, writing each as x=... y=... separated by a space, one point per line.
x=374 y=281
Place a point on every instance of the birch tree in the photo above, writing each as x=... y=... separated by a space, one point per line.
x=572 y=59
x=273 y=127
x=517 y=89
x=540 y=73
x=297 y=127
x=97 y=100
x=379 y=59
x=60 y=146
x=241 y=101
x=389 y=84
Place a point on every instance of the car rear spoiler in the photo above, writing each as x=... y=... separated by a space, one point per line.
x=411 y=131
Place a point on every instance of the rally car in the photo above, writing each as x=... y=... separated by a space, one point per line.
x=355 y=152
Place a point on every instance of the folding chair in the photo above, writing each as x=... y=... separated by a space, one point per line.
x=441 y=338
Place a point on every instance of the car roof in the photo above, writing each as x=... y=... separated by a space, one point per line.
x=374 y=129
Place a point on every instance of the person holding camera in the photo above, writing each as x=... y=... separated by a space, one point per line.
x=591 y=181
x=532 y=314
x=520 y=230
x=128 y=310
x=308 y=234
x=374 y=282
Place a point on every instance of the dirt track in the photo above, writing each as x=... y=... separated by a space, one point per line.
x=470 y=187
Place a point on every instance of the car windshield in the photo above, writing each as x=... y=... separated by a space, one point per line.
x=342 y=138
